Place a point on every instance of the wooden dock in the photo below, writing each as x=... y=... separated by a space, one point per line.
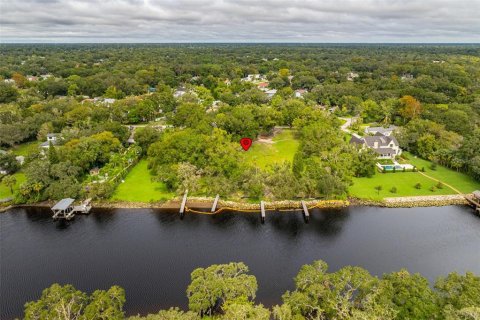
x=214 y=207
x=306 y=214
x=474 y=201
x=262 y=210
x=182 y=206
x=84 y=207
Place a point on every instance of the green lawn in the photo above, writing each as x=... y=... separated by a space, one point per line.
x=139 y=187
x=282 y=149
x=5 y=191
x=458 y=180
x=25 y=148
x=404 y=182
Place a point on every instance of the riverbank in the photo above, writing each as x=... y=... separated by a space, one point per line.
x=204 y=204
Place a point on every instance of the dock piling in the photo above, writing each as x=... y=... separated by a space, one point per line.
x=262 y=209
x=214 y=207
x=306 y=214
x=182 y=206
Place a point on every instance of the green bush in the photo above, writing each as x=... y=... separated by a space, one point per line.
x=418 y=186
x=393 y=190
x=433 y=188
x=439 y=185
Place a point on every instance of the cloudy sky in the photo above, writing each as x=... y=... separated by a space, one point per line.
x=240 y=21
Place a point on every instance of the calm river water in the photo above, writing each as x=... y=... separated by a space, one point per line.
x=151 y=253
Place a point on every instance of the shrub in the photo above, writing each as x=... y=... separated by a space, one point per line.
x=433 y=188
x=423 y=169
x=433 y=166
x=394 y=169
x=378 y=188
x=393 y=190
x=404 y=169
x=418 y=186
x=439 y=185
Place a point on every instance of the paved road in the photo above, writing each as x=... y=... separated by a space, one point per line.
x=348 y=123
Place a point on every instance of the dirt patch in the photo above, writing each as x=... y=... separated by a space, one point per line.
x=266 y=140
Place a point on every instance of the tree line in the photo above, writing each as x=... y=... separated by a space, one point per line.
x=228 y=291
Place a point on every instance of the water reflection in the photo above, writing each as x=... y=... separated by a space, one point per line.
x=329 y=222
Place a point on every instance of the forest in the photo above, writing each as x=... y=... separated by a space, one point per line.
x=97 y=110
x=228 y=291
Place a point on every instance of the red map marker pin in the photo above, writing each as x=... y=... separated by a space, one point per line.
x=246 y=143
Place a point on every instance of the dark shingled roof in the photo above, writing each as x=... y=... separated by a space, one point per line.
x=357 y=140
x=383 y=141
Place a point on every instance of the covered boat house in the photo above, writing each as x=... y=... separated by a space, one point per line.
x=63 y=209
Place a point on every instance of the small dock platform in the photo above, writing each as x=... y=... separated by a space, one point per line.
x=474 y=201
x=84 y=207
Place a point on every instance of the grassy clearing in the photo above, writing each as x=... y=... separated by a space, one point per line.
x=405 y=182
x=25 y=148
x=458 y=180
x=282 y=149
x=5 y=191
x=139 y=187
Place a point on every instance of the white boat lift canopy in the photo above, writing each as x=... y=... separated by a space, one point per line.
x=63 y=204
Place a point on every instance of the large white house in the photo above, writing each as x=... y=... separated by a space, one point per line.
x=386 y=147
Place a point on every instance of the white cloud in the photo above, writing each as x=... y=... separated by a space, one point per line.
x=240 y=20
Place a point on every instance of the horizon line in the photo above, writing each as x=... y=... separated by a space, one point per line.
x=235 y=42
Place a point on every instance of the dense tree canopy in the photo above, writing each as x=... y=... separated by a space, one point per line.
x=198 y=101
x=227 y=292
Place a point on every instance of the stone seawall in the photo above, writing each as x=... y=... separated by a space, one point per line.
x=425 y=201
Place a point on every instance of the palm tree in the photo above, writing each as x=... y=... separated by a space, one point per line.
x=10 y=182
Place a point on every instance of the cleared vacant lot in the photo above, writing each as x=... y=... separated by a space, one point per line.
x=139 y=187
x=280 y=148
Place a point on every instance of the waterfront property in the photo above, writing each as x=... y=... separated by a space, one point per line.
x=386 y=147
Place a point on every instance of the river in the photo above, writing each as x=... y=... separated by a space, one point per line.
x=151 y=253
